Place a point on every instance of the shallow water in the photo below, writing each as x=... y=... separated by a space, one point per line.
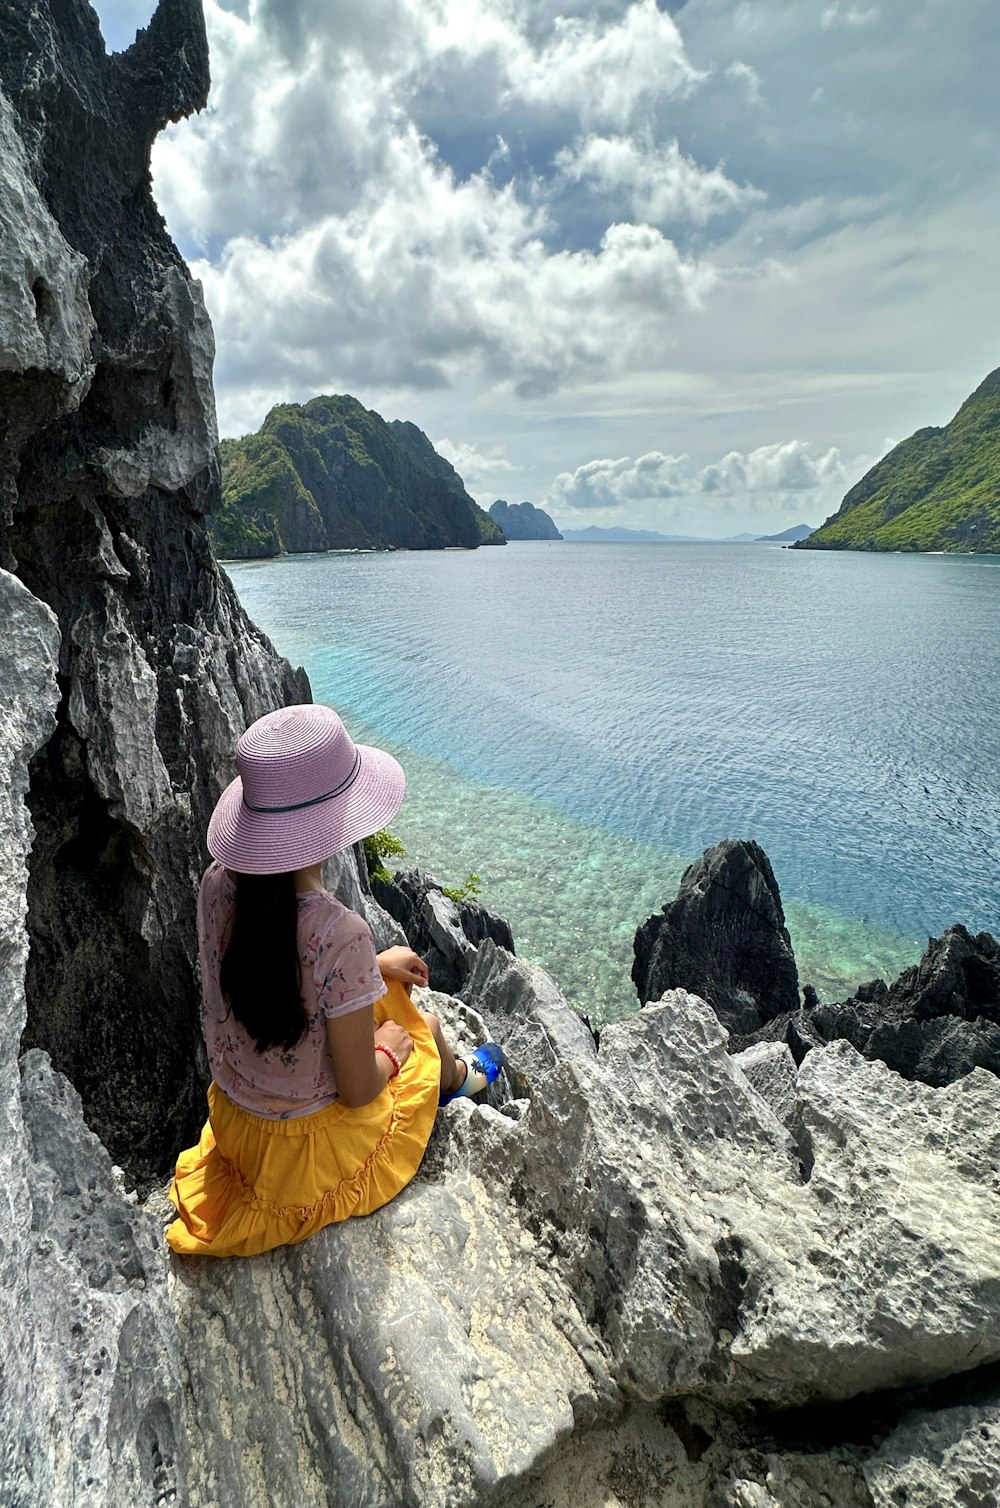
x=577 y=722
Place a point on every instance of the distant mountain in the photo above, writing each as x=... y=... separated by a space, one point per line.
x=797 y=531
x=593 y=535
x=938 y=490
x=330 y=474
x=523 y=520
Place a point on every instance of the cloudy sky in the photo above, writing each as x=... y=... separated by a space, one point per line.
x=689 y=266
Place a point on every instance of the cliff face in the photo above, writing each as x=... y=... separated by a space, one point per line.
x=108 y=467
x=523 y=520
x=938 y=490
x=330 y=474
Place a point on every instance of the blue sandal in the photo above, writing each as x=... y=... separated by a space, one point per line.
x=482 y=1067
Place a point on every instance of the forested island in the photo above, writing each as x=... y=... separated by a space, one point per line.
x=938 y=490
x=331 y=474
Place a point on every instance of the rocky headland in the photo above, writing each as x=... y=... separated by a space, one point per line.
x=937 y=490
x=652 y=1272
x=523 y=520
x=332 y=475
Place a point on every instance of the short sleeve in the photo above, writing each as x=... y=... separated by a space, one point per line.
x=346 y=969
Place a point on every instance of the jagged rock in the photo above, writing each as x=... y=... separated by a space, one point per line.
x=938 y=1021
x=105 y=1359
x=949 y=1456
x=914 y=1448
x=772 y=1071
x=638 y=1228
x=724 y=938
x=107 y=466
x=538 y=1029
x=346 y=876
x=89 y=1361
x=45 y=319
x=444 y=932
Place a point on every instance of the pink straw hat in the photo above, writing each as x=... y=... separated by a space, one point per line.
x=305 y=791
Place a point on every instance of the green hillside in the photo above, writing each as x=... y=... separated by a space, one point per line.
x=331 y=474
x=938 y=490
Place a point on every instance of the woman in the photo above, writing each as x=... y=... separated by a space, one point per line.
x=325 y=1077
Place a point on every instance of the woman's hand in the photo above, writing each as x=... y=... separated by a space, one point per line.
x=396 y=1038
x=403 y=964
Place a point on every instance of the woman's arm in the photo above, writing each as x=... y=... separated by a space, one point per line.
x=403 y=964
x=362 y=1073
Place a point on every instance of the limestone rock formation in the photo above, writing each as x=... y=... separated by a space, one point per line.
x=632 y=1241
x=444 y=932
x=523 y=520
x=724 y=938
x=107 y=466
x=938 y=1021
x=90 y=1390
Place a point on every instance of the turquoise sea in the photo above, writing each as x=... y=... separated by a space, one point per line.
x=578 y=722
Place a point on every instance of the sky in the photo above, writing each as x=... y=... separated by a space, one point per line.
x=689 y=266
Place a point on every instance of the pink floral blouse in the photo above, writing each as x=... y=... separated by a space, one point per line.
x=339 y=974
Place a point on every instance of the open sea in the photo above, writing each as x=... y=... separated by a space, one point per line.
x=577 y=722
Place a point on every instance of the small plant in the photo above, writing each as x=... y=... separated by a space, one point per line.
x=379 y=846
x=467 y=891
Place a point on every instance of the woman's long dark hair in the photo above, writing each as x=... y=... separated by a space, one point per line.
x=261 y=976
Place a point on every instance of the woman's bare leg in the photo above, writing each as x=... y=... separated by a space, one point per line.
x=453 y=1070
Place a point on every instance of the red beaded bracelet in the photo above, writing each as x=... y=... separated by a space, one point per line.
x=381 y=1047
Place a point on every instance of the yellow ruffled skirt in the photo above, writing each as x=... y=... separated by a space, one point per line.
x=252 y=1184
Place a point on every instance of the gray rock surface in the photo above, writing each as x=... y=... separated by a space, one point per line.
x=444 y=932
x=536 y=1027
x=89 y=1363
x=102 y=1367
x=724 y=938
x=346 y=876
x=637 y=1229
x=949 y=1456
x=771 y=1070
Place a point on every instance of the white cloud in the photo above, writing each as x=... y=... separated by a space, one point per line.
x=762 y=477
x=341 y=251
x=501 y=154
x=840 y=14
x=784 y=467
x=609 y=484
x=658 y=182
x=473 y=463
x=606 y=74
x=742 y=73
x=439 y=283
x=432 y=204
